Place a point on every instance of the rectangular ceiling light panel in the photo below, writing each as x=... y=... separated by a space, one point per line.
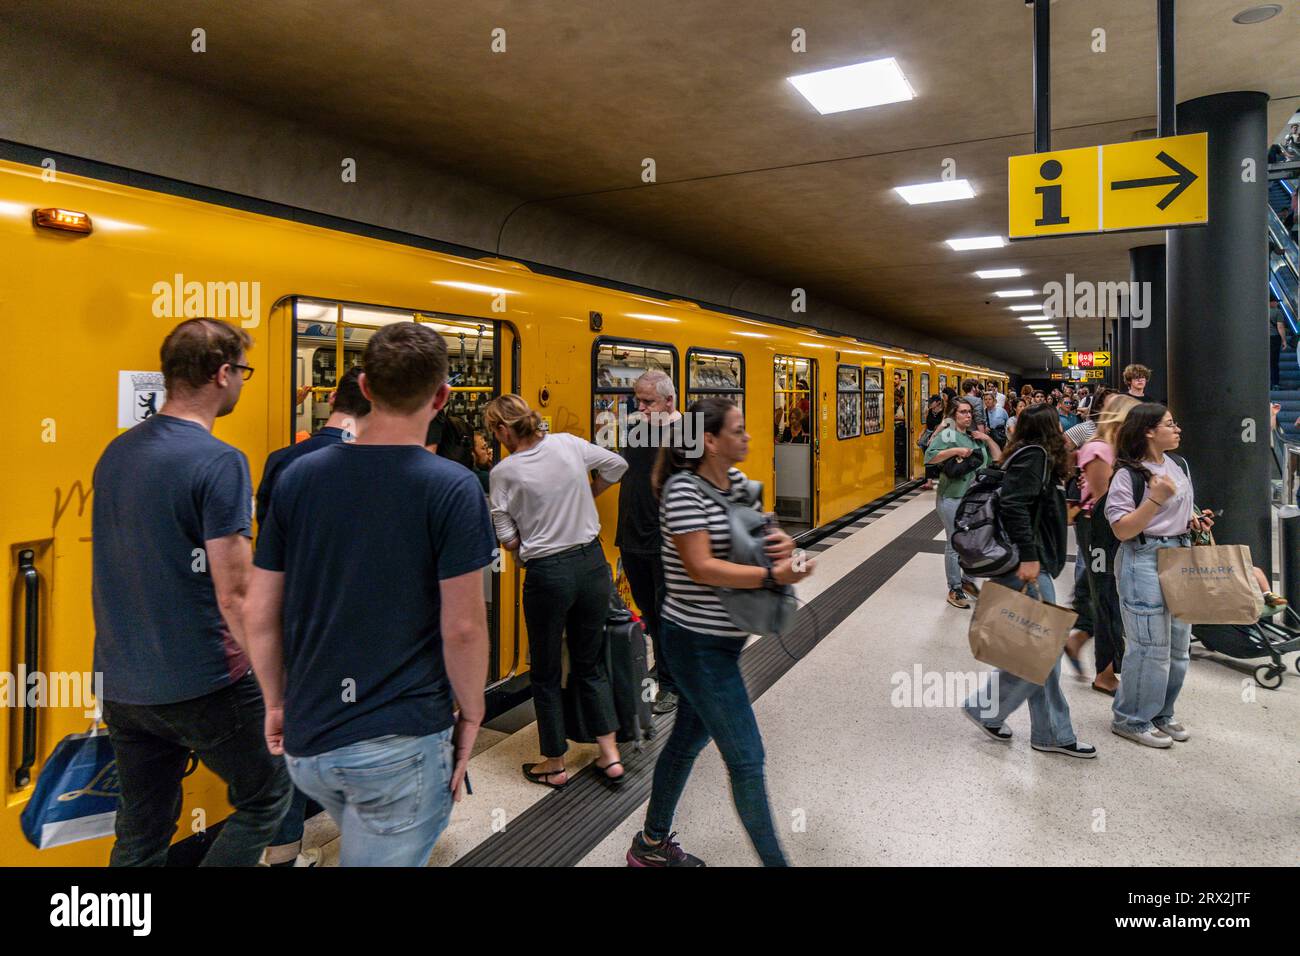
x=854 y=87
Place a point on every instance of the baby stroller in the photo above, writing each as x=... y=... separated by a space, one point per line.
x=1265 y=638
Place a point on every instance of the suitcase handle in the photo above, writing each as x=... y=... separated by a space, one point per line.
x=31 y=644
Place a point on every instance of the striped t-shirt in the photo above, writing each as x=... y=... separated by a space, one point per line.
x=685 y=507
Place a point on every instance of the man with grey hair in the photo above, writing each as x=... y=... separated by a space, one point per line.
x=638 y=538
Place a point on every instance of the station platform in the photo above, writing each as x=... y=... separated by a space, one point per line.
x=863 y=770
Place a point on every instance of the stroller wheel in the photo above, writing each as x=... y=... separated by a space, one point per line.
x=1269 y=676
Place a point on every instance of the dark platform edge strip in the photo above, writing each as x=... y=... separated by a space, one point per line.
x=565 y=826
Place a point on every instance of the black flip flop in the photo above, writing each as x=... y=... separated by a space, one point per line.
x=612 y=781
x=1102 y=690
x=540 y=778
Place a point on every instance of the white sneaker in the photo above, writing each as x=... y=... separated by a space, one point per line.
x=1148 y=738
x=1175 y=730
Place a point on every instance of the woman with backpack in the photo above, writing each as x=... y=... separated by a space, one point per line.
x=1149 y=507
x=960 y=452
x=1096 y=461
x=700 y=643
x=1032 y=511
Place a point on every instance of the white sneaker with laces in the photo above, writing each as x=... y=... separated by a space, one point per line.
x=1175 y=730
x=1148 y=738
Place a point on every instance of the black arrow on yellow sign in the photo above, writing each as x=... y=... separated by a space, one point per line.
x=1183 y=177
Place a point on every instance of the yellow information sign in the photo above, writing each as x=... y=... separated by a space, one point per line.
x=1052 y=194
x=1085 y=359
x=1153 y=183
x=1096 y=373
x=1145 y=184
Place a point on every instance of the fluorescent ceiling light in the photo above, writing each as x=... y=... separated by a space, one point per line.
x=976 y=242
x=999 y=273
x=1035 y=318
x=1014 y=293
x=854 y=87
x=1025 y=308
x=1037 y=327
x=942 y=191
x=1046 y=335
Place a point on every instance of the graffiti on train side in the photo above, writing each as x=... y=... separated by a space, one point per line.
x=565 y=419
x=61 y=504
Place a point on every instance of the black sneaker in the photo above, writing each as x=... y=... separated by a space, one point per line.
x=958 y=599
x=1086 y=751
x=1001 y=734
x=664 y=853
x=665 y=703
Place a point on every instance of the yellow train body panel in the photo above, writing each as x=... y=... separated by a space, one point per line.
x=79 y=310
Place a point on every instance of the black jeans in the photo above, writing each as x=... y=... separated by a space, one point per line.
x=645 y=575
x=568 y=594
x=152 y=744
x=1108 y=624
x=1274 y=357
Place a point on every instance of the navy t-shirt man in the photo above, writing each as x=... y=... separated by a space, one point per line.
x=362 y=638
x=280 y=459
x=161 y=490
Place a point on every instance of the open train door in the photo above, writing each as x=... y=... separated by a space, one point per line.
x=795 y=420
x=901 y=397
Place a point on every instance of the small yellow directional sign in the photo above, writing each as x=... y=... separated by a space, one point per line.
x=1052 y=194
x=1085 y=359
x=1096 y=373
x=1146 y=184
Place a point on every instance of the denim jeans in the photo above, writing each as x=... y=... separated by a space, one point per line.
x=390 y=796
x=947 y=508
x=152 y=744
x=566 y=597
x=1049 y=714
x=712 y=703
x=1156 y=648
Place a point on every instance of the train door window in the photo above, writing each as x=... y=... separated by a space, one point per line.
x=873 y=401
x=330 y=337
x=902 y=431
x=923 y=399
x=943 y=382
x=715 y=375
x=795 y=423
x=848 y=401
x=615 y=367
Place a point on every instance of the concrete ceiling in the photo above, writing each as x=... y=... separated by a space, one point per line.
x=749 y=175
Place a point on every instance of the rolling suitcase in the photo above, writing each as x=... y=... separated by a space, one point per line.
x=629 y=680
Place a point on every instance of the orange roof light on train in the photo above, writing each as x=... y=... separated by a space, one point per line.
x=67 y=220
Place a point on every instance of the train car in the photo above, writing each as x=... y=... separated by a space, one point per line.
x=97 y=273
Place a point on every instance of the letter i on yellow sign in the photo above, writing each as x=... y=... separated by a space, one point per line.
x=1053 y=194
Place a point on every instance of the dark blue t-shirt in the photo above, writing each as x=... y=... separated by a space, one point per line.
x=278 y=460
x=161 y=490
x=364 y=534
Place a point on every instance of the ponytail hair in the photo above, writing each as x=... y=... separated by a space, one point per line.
x=1131 y=443
x=513 y=412
x=712 y=414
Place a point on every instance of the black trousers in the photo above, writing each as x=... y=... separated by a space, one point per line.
x=1274 y=356
x=1107 y=623
x=152 y=744
x=645 y=575
x=568 y=595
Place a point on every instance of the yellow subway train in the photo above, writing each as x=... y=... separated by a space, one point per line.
x=97 y=272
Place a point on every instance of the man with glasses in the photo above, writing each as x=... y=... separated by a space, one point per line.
x=171 y=524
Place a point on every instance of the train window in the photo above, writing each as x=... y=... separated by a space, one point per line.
x=924 y=397
x=848 y=404
x=331 y=337
x=793 y=399
x=616 y=365
x=943 y=382
x=715 y=375
x=873 y=401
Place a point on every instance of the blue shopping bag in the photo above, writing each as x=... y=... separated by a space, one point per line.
x=76 y=793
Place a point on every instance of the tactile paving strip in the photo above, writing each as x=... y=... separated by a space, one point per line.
x=564 y=826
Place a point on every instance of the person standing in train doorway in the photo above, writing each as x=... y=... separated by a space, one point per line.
x=543 y=508
x=638 y=538
x=366 y=616
x=171 y=524
x=347 y=409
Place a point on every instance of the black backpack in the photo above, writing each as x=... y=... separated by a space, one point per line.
x=982 y=546
x=1103 y=536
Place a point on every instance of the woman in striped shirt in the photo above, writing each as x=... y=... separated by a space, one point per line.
x=701 y=644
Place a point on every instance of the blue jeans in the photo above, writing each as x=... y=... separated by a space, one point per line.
x=390 y=796
x=712 y=703
x=1049 y=714
x=1156 y=644
x=947 y=508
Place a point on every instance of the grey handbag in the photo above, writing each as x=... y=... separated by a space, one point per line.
x=769 y=612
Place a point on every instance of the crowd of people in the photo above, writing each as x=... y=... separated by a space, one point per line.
x=342 y=662
x=1105 y=463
